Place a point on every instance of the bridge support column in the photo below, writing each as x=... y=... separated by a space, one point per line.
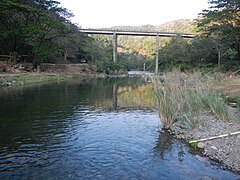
x=157 y=47
x=115 y=45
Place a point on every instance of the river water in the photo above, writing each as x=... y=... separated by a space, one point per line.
x=92 y=129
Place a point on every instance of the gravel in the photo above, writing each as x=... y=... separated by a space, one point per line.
x=223 y=150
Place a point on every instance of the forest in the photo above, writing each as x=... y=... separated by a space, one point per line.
x=39 y=31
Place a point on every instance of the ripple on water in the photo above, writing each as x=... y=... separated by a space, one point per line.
x=75 y=139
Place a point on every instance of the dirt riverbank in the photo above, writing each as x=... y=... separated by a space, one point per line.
x=12 y=74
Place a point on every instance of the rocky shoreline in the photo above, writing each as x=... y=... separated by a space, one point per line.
x=225 y=150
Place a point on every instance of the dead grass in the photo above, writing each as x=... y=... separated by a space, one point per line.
x=229 y=88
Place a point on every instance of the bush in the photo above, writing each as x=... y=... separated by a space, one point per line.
x=230 y=65
x=108 y=67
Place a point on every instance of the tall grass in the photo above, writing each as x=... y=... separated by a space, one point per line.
x=186 y=96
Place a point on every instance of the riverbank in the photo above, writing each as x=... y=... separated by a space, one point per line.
x=21 y=74
x=20 y=79
x=225 y=150
x=12 y=74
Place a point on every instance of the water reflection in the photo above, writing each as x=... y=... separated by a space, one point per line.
x=88 y=130
x=166 y=143
x=163 y=145
x=34 y=110
x=138 y=97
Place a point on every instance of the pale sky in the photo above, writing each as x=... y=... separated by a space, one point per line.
x=107 y=13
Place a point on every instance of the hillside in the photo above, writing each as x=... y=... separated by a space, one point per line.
x=143 y=48
x=178 y=26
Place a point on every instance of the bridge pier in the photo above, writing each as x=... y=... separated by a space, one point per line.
x=157 y=53
x=115 y=33
x=115 y=45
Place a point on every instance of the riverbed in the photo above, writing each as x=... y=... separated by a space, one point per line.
x=92 y=129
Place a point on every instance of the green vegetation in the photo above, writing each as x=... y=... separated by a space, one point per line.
x=185 y=97
x=39 y=31
x=217 y=43
x=30 y=79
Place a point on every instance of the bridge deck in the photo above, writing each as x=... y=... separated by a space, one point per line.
x=136 y=33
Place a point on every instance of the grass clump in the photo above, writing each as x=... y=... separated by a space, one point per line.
x=217 y=106
x=185 y=97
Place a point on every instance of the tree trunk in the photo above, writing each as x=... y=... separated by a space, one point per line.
x=65 y=55
x=238 y=49
x=219 y=55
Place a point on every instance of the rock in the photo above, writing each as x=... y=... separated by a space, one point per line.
x=201 y=145
x=233 y=104
x=2 y=69
x=184 y=126
x=205 y=178
x=202 y=159
x=9 y=83
x=21 y=67
x=178 y=118
x=213 y=147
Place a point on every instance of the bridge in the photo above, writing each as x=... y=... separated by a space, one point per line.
x=116 y=33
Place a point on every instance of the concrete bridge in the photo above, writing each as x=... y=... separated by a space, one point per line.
x=115 y=33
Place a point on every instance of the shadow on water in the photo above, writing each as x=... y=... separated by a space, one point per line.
x=93 y=129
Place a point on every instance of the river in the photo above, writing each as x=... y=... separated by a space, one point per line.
x=92 y=129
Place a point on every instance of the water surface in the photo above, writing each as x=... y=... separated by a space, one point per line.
x=93 y=129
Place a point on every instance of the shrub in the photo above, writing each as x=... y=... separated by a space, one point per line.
x=108 y=67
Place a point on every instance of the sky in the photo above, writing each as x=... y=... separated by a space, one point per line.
x=108 y=13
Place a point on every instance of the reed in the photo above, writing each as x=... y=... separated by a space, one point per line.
x=186 y=96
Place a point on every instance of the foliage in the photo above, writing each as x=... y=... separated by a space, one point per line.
x=39 y=29
x=134 y=51
x=108 y=67
x=217 y=105
x=221 y=23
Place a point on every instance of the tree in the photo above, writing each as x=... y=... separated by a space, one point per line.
x=222 y=23
x=73 y=46
x=30 y=26
x=203 y=51
x=175 y=52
